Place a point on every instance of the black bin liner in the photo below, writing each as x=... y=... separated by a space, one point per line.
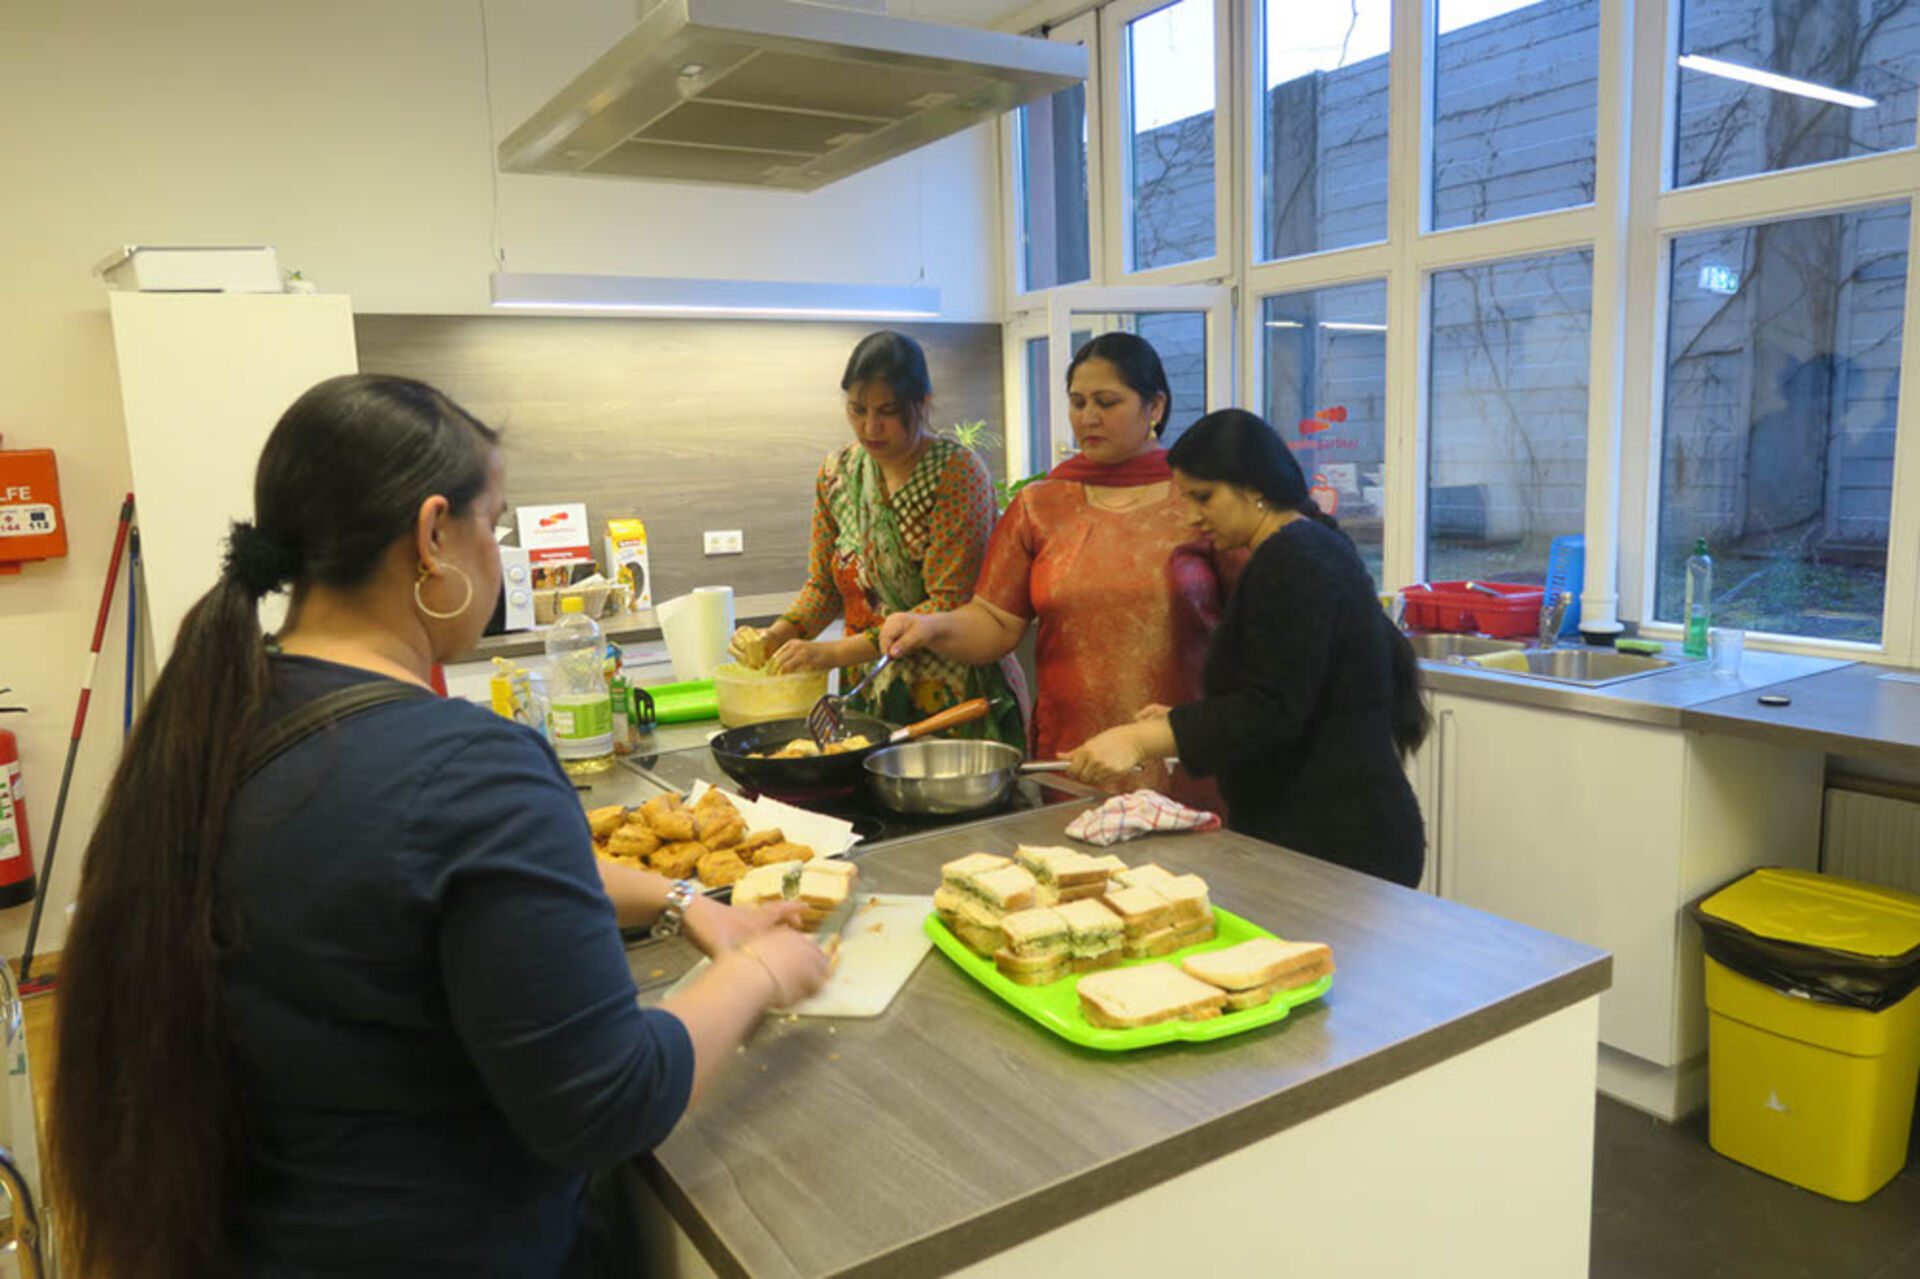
x=1870 y=982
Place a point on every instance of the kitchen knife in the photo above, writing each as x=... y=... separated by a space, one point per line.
x=835 y=923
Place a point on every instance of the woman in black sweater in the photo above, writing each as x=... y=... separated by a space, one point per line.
x=1312 y=696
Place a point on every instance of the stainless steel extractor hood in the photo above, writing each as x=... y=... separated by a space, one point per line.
x=779 y=93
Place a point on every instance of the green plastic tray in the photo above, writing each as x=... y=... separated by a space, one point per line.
x=1057 y=1004
x=678 y=703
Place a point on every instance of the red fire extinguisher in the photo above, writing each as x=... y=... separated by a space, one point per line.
x=16 y=850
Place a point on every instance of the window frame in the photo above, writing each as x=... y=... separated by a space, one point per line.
x=1115 y=116
x=1082 y=29
x=1630 y=228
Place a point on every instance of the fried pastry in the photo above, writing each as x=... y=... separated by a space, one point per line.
x=767 y=854
x=674 y=825
x=669 y=803
x=677 y=860
x=719 y=868
x=604 y=821
x=758 y=839
x=715 y=798
x=718 y=829
x=635 y=839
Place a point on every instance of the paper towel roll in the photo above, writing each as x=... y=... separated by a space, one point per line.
x=697 y=628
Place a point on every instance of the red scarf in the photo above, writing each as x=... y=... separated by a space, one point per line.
x=1149 y=467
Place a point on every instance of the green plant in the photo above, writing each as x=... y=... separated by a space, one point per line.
x=984 y=444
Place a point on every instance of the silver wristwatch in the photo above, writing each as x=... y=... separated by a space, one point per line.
x=674 y=915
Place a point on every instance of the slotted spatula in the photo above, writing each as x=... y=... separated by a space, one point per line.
x=826 y=720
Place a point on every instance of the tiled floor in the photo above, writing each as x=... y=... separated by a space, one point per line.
x=1665 y=1206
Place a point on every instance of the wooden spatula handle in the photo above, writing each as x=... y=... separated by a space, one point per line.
x=964 y=713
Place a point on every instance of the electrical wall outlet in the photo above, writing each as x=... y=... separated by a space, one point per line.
x=725 y=541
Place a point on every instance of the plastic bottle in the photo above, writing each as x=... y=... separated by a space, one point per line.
x=1699 y=608
x=581 y=711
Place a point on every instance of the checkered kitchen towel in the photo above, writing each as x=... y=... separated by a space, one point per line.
x=1137 y=813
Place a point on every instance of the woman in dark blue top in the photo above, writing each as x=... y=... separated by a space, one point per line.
x=362 y=1008
x=1312 y=696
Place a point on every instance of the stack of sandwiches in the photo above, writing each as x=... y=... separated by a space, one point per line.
x=1202 y=986
x=817 y=885
x=1046 y=913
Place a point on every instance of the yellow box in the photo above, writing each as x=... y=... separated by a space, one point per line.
x=1814 y=1093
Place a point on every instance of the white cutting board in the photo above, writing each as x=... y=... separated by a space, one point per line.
x=882 y=945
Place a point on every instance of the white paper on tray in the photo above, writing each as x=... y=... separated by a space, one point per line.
x=826 y=836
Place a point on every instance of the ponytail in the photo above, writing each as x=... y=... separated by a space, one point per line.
x=144 y=1133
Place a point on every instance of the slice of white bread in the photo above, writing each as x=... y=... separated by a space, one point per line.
x=1092 y=929
x=1031 y=971
x=1009 y=888
x=1186 y=897
x=951 y=901
x=1185 y=937
x=765 y=883
x=1148 y=874
x=1239 y=1000
x=1146 y=994
x=960 y=871
x=1063 y=868
x=981 y=941
x=1080 y=892
x=822 y=887
x=1142 y=910
x=1109 y=863
x=1263 y=961
x=1152 y=945
x=1036 y=932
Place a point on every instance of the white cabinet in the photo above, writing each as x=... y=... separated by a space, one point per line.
x=1602 y=830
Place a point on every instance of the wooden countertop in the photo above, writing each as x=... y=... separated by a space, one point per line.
x=952 y=1127
x=1854 y=710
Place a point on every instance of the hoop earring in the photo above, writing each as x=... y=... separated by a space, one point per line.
x=420 y=602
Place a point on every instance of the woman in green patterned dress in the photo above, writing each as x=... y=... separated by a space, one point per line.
x=900 y=524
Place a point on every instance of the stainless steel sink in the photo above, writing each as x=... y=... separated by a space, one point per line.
x=1587 y=667
x=1438 y=646
x=1590 y=666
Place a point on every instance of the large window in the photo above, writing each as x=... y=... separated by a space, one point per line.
x=1325 y=371
x=1776 y=85
x=1783 y=376
x=1507 y=457
x=1051 y=135
x=1323 y=124
x=1515 y=104
x=1169 y=135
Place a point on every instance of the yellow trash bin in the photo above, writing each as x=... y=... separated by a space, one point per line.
x=1812 y=1068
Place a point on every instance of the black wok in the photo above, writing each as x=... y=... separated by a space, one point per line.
x=815 y=777
x=819 y=776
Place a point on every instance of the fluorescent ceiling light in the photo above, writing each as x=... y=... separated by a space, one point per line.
x=1770 y=80
x=1333 y=326
x=654 y=295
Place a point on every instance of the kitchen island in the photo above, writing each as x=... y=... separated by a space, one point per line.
x=1433 y=1114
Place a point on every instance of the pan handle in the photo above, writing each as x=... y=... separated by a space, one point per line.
x=964 y=713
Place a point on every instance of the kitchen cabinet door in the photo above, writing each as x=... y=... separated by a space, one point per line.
x=1571 y=824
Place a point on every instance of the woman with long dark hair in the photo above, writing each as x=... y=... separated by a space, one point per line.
x=1312 y=696
x=1100 y=555
x=344 y=993
x=900 y=523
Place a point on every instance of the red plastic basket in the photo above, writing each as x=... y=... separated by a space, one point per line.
x=1450 y=606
